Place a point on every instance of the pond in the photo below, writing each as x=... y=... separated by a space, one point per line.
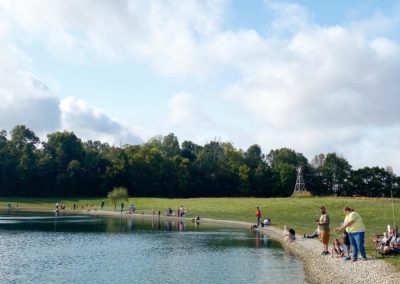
x=43 y=248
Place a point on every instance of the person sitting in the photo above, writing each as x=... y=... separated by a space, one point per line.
x=337 y=248
x=290 y=234
x=313 y=235
x=389 y=243
x=196 y=219
x=182 y=211
x=266 y=222
x=168 y=212
x=131 y=208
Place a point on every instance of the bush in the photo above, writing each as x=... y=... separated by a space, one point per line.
x=118 y=193
x=302 y=194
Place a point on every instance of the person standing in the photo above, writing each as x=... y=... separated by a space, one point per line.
x=258 y=216
x=324 y=230
x=122 y=206
x=102 y=205
x=354 y=226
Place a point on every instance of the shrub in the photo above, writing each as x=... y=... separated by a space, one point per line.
x=302 y=194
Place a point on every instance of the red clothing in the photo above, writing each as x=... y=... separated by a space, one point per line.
x=258 y=213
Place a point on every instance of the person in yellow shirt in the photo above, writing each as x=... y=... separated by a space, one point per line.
x=354 y=226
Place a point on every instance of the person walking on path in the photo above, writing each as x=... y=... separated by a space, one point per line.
x=258 y=216
x=324 y=230
x=354 y=225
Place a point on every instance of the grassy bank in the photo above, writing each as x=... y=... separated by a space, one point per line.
x=298 y=213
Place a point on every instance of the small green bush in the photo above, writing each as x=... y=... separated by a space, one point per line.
x=302 y=194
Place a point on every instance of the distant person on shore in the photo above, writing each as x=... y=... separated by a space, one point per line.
x=258 y=216
x=182 y=211
x=267 y=222
x=102 y=205
x=74 y=206
x=324 y=230
x=354 y=225
x=290 y=234
x=122 y=206
x=337 y=248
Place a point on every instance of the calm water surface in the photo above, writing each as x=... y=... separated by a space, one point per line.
x=42 y=248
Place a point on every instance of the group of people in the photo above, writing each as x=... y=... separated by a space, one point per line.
x=267 y=221
x=353 y=234
x=388 y=242
x=60 y=206
x=352 y=231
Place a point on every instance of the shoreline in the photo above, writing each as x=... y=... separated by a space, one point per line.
x=317 y=268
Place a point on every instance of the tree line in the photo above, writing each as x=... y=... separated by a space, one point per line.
x=66 y=166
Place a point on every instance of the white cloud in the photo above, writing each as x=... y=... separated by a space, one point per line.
x=92 y=123
x=313 y=88
x=187 y=119
x=327 y=89
x=24 y=98
x=165 y=33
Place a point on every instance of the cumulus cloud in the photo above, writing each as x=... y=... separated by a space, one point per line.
x=327 y=89
x=165 y=33
x=24 y=98
x=187 y=118
x=313 y=88
x=92 y=123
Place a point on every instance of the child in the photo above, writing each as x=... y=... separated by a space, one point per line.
x=346 y=242
x=290 y=234
x=337 y=248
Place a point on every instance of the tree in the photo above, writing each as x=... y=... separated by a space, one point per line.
x=253 y=156
x=117 y=194
x=336 y=174
x=284 y=163
x=170 y=146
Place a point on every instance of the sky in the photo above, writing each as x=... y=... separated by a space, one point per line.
x=314 y=76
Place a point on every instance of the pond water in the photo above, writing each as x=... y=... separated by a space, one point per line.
x=43 y=248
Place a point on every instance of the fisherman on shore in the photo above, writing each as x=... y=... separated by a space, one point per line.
x=324 y=230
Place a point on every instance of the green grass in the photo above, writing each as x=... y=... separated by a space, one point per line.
x=298 y=213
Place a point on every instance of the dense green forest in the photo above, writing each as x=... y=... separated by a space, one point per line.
x=66 y=166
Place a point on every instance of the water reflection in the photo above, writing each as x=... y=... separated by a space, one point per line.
x=64 y=222
x=38 y=248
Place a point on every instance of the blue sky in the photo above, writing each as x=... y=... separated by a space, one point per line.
x=315 y=76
